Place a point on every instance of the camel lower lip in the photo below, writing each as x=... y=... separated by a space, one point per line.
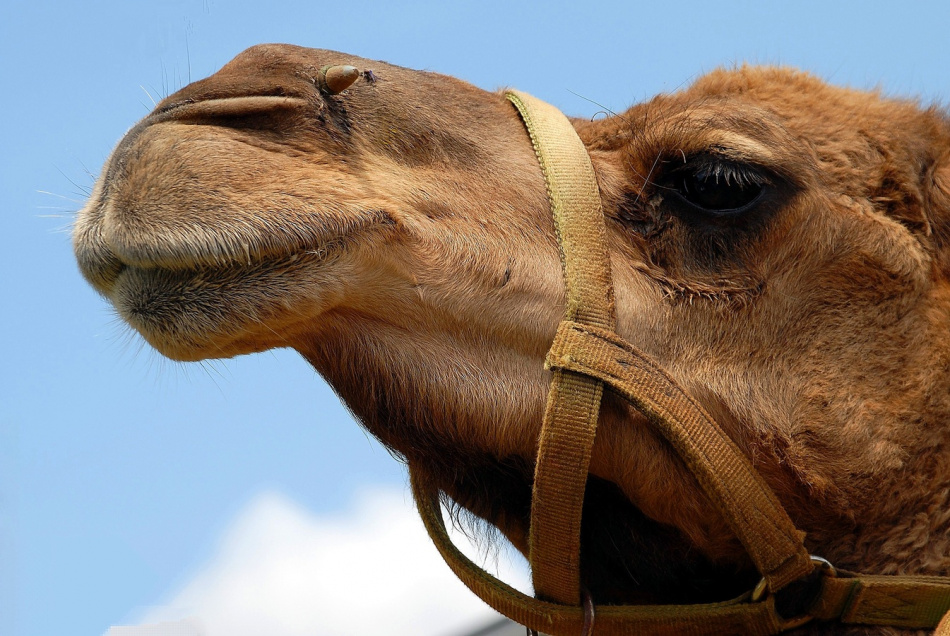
x=160 y=286
x=190 y=314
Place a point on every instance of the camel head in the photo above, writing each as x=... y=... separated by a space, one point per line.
x=780 y=246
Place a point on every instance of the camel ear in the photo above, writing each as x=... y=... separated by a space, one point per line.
x=937 y=194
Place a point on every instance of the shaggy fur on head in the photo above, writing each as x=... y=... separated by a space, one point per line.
x=780 y=246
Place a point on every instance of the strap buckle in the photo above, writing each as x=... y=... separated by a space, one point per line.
x=758 y=592
x=589 y=615
x=798 y=596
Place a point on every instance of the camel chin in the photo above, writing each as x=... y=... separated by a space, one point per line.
x=779 y=245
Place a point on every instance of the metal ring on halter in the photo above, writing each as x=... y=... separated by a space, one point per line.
x=589 y=614
x=588 y=603
x=758 y=592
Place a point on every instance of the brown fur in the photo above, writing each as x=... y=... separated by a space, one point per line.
x=398 y=236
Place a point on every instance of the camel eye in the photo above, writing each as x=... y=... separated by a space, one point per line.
x=718 y=187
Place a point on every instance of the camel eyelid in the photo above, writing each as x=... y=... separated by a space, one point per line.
x=715 y=165
x=715 y=186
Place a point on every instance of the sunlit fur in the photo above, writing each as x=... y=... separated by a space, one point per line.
x=398 y=236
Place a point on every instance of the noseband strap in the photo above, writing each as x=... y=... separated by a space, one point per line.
x=587 y=354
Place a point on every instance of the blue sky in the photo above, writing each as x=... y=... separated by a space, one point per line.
x=123 y=475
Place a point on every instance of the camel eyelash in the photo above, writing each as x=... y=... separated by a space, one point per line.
x=715 y=186
x=720 y=169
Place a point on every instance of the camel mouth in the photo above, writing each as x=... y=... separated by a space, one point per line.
x=105 y=248
x=185 y=278
x=226 y=300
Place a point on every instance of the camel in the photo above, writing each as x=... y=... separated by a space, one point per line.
x=780 y=246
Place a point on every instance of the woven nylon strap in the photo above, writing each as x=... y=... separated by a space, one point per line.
x=726 y=476
x=731 y=617
x=570 y=418
x=912 y=602
x=585 y=355
x=567 y=434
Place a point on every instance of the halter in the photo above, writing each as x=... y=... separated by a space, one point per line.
x=585 y=356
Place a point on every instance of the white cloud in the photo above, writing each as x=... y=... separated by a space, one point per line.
x=283 y=571
x=187 y=627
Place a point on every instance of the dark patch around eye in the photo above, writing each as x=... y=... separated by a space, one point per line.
x=717 y=187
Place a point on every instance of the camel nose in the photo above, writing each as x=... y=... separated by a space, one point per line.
x=280 y=70
x=262 y=58
x=263 y=70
